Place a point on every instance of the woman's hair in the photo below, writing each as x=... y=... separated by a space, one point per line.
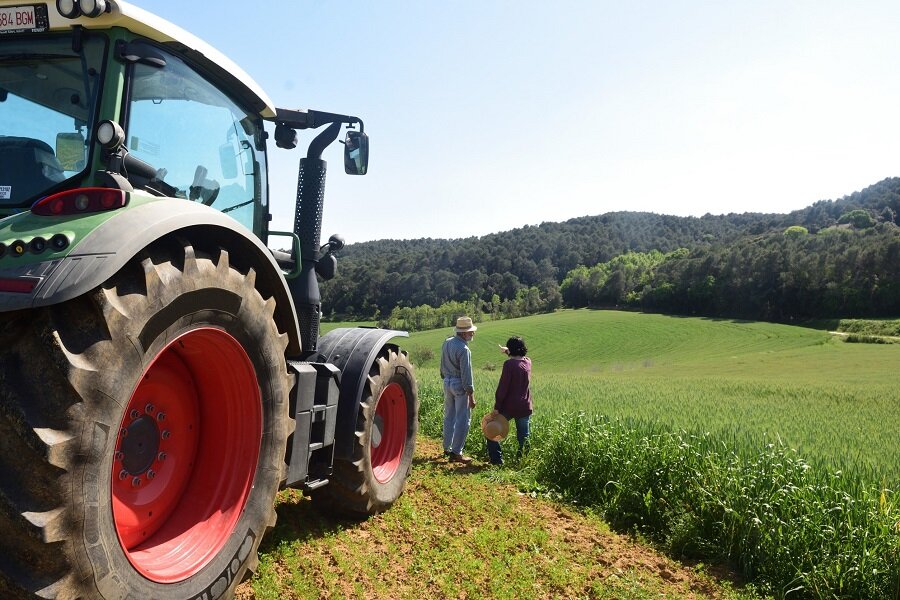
x=516 y=346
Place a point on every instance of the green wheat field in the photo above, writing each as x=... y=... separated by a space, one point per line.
x=838 y=404
x=773 y=448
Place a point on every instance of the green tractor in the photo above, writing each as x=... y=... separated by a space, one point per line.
x=162 y=375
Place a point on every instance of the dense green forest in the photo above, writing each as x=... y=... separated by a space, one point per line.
x=835 y=258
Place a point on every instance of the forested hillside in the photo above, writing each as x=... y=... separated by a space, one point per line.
x=834 y=258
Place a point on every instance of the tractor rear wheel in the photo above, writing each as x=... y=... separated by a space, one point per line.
x=143 y=429
x=385 y=441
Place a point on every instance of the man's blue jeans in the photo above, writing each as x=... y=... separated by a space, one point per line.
x=522 y=430
x=457 y=415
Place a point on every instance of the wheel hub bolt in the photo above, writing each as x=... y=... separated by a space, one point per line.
x=119 y=455
x=161 y=456
x=136 y=481
x=161 y=416
x=135 y=414
x=123 y=432
x=151 y=474
x=166 y=434
x=149 y=408
x=123 y=474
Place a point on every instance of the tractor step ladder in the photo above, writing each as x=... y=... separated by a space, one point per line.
x=314 y=402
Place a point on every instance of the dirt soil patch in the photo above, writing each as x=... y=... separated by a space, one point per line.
x=457 y=534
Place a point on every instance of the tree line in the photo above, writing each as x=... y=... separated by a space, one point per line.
x=836 y=273
x=835 y=258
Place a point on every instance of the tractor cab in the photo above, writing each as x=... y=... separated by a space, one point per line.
x=196 y=136
x=187 y=122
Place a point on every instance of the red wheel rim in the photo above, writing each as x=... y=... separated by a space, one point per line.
x=388 y=432
x=186 y=455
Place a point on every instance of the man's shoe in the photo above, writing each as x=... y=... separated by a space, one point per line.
x=460 y=459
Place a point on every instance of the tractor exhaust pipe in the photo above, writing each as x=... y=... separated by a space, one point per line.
x=308 y=227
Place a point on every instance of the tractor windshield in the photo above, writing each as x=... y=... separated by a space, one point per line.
x=48 y=96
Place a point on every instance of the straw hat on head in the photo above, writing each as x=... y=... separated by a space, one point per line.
x=495 y=427
x=464 y=324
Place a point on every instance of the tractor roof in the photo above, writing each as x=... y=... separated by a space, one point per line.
x=150 y=26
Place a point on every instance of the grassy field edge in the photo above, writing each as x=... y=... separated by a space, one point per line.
x=468 y=532
x=792 y=529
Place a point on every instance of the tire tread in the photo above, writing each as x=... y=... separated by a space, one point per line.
x=53 y=368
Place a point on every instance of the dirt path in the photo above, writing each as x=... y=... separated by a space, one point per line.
x=844 y=334
x=456 y=534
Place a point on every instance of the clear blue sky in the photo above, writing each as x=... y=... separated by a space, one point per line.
x=487 y=116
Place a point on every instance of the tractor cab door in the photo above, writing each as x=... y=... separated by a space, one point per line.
x=204 y=143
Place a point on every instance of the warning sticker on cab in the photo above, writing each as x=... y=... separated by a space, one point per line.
x=5 y=192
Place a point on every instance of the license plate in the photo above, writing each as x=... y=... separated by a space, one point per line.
x=23 y=19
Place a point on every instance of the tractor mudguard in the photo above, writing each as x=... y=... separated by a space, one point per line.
x=106 y=249
x=352 y=350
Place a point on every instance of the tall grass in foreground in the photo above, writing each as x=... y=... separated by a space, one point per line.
x=795 y=530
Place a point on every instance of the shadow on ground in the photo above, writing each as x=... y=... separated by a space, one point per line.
x=299 y=521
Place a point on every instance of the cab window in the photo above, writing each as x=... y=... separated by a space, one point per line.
x=48 y=100
x=203 y=144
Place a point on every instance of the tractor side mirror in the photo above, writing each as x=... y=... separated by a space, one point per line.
x=356 y=153
x=70 y=151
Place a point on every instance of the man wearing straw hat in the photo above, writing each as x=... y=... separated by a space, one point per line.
x=459 y=389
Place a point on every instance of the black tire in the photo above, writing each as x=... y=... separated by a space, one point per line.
x=68 y=375
x=371 y=482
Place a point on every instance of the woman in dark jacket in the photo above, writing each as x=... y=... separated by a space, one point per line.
x=513 y=396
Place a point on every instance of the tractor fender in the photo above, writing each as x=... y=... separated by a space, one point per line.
x=352 y=350
x=106 y=249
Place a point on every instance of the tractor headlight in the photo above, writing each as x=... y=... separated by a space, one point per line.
x=110 y=134
x=92 y=8
x=68 y=8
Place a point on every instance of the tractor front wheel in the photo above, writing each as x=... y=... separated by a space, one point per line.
x=384 y=442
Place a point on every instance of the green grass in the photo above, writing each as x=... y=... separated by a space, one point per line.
x=836 y=403
x=458 y=533
x=769 y=446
